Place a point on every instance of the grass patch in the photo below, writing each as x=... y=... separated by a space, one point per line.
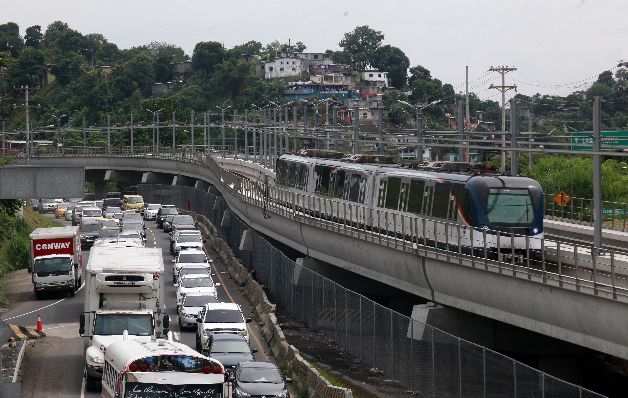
x=333 y=380
x=36 y=220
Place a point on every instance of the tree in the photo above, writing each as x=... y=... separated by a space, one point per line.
x=361 y=44
x=207 y=54
x=395 y=62
x=33 y=37
x=424 y=88
x=10 y=39
x=167 y=51
x=247 y=50
x=69 y=67
x=29 y=68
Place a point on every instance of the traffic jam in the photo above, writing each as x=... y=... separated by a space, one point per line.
x=131 y=349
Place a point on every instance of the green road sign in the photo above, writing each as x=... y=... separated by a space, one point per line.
x=584 y=141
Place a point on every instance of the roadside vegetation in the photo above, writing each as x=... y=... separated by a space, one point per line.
x=14 y=240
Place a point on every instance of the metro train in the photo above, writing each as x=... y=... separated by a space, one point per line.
x=499 y=214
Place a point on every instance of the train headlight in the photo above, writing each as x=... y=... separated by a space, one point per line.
x=535 y=230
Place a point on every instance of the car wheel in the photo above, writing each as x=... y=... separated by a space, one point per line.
x=38 y=295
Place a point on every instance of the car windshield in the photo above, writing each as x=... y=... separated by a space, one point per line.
x=259 y=375
x=509 y=206
x=134 y=200
x=198 y=301
x=55 y=264
x=189 y=239
x=193 y=271
x=117 y=216
x=132 y=216
x=168 y=211
x=112 y=202
x=196 y=282
x=130 y=235
x=192 y=258
x=153 y=207
x=114 y=324
x=109 y=223
x=132 y=226
x=223 y=316
x=112 y=209
x=92 y=212
x=183 y=220
x=228 y=346
x=109 y=233
x=86 y=228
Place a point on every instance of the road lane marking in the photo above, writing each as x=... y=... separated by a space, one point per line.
x=83 y=388
x=33 y=311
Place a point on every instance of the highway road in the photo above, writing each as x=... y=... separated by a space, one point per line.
x=53 y=366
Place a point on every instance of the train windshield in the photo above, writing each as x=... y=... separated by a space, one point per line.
x=509 y=206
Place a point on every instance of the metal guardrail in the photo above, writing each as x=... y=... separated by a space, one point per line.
x=581 y=211
x=561 y=264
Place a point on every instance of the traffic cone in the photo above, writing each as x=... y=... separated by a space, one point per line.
x=40 y=325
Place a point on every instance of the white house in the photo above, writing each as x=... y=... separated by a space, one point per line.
x=284 y=67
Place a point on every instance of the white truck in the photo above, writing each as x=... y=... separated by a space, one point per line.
x=56 y=260
x=123 y=292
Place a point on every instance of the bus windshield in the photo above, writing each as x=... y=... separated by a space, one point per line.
x=115 y=324
x=509 y=206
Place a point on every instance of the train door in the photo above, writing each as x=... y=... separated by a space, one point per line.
x=428 y=196
x=403 y=221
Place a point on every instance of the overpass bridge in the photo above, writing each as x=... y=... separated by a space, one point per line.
x=569 y=294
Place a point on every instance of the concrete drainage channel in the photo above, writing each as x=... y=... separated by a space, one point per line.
x=284 y=352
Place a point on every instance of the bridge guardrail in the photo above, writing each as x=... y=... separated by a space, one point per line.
x=581 y=211
x=562 y=264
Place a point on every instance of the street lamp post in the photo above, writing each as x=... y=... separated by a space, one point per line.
x=420 y=125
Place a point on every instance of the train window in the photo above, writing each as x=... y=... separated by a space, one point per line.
x=323 y=179
x=383 y=184
x=281 y=171
x=392 y=193
x=354 y=188
x=290 y=175
x=441 y=201
x=416 y=196
x=339 y=183
x=362 y=195
x=301 y=181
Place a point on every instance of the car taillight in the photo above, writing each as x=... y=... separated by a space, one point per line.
x=133 y=367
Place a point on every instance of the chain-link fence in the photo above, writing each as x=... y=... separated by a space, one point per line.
x=423 y=359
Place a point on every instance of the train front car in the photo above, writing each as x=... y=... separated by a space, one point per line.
x=508 y=208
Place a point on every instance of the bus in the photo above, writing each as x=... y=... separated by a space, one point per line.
x=160 y=369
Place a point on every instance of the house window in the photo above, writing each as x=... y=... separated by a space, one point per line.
x=294 y=69
x=379 y=75
x=270 y=68
x=315 y=56
x=280 y=69
x=282 y=62
x=370 y=75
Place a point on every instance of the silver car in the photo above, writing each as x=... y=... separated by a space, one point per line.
x=191 y=305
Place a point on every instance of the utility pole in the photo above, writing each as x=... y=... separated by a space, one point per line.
x=514 y=130
x=503 y=88
x=597 y=176
x=28 y=146
x=466 y=94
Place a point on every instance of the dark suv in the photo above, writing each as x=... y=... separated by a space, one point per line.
x=165 y=210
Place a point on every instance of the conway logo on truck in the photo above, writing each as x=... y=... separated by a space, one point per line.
x=52 y=246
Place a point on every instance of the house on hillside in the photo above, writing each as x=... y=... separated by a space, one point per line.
x=181 y=70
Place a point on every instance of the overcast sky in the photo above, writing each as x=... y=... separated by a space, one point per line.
x=555 y=44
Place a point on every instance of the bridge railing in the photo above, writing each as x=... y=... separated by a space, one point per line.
x=548 y=261
x=581 y=211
